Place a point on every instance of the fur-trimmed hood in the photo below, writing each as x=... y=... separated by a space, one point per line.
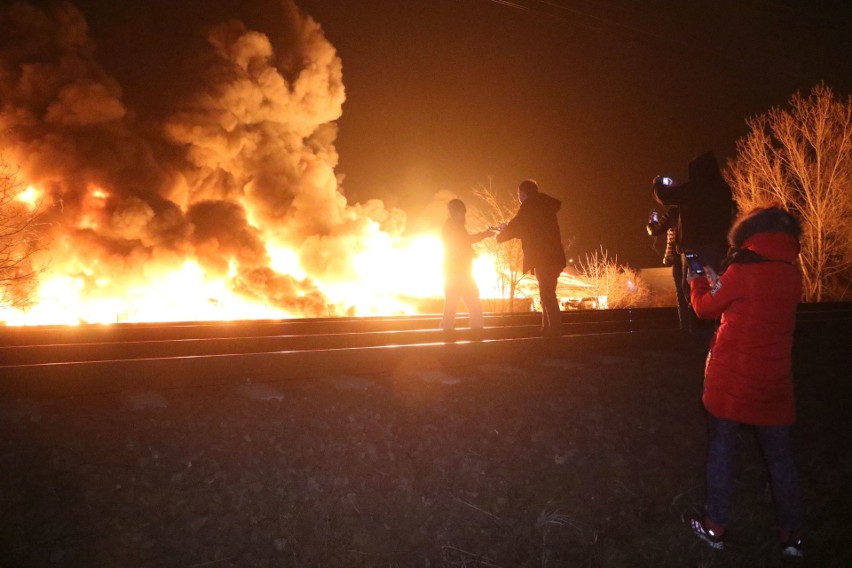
x=763 y=220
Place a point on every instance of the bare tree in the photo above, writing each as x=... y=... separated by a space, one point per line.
x=21 y=236
x=508 y=257
x=800 y=157
x=622 y=286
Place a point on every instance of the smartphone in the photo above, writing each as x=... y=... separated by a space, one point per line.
x=655 y=217
x=694 y=263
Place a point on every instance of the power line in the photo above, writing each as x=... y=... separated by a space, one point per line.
x=511 y=5
x=708 y=52
x=575 y=11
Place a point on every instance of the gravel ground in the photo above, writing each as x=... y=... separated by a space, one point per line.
x=573 y=459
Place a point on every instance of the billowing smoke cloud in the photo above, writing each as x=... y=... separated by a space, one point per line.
x=227 y=151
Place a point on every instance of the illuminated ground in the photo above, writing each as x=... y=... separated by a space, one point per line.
x=580 y=460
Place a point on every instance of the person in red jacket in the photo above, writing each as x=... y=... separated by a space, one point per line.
x=748 y=376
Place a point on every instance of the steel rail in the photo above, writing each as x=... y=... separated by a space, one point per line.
x=96 y=358
x=97 y=333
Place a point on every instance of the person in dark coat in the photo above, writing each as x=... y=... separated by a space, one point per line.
x=458 y=267
x=536 y=225
x=706 y=208
x=667 y=223
x=748 y=376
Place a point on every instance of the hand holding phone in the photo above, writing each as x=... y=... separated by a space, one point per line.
x=694 y=263
x=711 y=274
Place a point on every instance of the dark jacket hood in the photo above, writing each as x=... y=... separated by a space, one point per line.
x=544 y=201
x=704 y=168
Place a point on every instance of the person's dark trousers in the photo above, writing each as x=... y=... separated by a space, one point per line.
x=683 y=307
x=776 y=446
x=551 y=315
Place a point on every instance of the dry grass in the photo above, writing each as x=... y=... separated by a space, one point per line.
x=623 y=286
x=594 y=461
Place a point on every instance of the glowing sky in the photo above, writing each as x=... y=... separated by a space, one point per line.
x=591 y=98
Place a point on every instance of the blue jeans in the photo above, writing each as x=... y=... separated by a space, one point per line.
x=775 y=444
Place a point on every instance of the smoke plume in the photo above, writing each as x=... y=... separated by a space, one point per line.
x=207 y=141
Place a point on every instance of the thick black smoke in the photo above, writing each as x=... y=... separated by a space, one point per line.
x=170 y=131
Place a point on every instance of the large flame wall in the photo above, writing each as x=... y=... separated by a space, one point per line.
x=214 y=197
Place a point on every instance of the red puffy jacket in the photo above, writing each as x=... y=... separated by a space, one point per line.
x=748 y=377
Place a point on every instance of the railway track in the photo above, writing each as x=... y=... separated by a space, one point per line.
x=62 y=344
x=91 y=358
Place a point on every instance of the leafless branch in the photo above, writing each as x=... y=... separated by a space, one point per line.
x=800 y=157
x=22 y=235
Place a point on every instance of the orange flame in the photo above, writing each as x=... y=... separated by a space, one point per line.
x=30 y=197
x=390 y=276
x=226 y=206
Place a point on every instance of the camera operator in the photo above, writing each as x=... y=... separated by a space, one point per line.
x=667 y=223
x=706 y=207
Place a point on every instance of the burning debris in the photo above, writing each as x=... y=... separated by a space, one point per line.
x=212 y=195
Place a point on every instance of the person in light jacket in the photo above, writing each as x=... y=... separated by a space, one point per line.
x=748 y=376
x=458 y=267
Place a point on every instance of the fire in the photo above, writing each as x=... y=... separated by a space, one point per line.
x=388 y=272
x=219 y=202
x=391 y=275
x=185 y=294
x=31 y=197
x=94 y=203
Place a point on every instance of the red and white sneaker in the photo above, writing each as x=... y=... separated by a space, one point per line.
x=709 y=532
x=793 y=546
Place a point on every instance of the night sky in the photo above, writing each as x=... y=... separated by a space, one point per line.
x=590 y=98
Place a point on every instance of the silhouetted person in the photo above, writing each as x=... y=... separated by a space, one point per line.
x=458 y=267
x=541 y=240
x=667 y=223
x=706 y=207
x=748 y=377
